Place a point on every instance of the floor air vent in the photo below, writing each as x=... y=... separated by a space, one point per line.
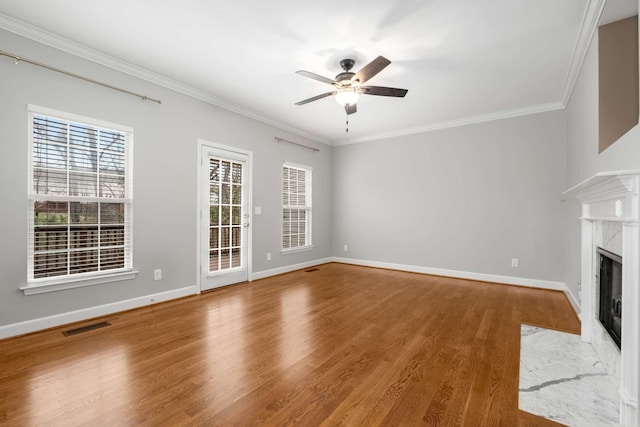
x=311 y=270
x=86 y=328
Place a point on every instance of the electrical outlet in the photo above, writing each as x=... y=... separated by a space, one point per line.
x=157 y=274
x=514 y=262
x=268 y=256
x=346 y=248
x=258 y=210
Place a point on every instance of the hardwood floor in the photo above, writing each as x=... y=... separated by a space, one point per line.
x=343 y=345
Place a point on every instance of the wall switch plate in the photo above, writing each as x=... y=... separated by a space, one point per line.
x=268 y=256
x=157 y=274
x=514 y=262
x=258 y=210
x=346 y=248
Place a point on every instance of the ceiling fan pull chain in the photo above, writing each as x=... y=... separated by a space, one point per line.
x=347 y=124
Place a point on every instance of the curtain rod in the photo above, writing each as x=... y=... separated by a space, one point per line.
x=298 y=144
x=19 y=59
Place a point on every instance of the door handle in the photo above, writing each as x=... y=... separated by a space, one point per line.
x=246 y=224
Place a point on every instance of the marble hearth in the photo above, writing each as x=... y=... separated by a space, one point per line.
x=610 y=219
x=563 y=379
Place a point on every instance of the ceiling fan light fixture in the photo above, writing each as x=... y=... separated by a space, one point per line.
x=347 y=96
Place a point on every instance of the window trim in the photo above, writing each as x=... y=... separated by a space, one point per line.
x=309 y=209
x=296 y=250
x=77 y=282
x=56 y=283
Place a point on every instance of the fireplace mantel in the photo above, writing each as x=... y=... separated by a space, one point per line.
x=608 y=196
x=613 y=197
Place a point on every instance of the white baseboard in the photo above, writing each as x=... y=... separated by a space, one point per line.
x=42 y=323
x=288 y=268
x=508 y=280
x=574 y=301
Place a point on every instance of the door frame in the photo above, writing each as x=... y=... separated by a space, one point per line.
x=202 y=144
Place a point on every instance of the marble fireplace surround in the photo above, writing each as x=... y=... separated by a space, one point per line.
x=606 y=199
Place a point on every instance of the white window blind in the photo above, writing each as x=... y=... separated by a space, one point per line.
x=80 y=199
x=296 y=207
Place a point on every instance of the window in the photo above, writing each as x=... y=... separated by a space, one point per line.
x=296 y=207
x=79 y=199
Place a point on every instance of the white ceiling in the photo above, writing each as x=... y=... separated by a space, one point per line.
x=462 y=61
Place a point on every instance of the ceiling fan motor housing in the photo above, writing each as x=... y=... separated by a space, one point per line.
x=344 y=79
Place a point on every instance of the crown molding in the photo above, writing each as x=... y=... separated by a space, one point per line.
x=534 y=109
x=57 y=42
x=589 y=24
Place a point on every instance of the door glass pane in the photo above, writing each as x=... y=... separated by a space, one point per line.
x=225 y=259
x=235 y=215
x=214 y=260
x=225 y=217
x=213 y=238
x=236 y=198
x=235 y=257
x=237 y=173
x=224 y=240
x=226 y=194
x=214 y=171
x=235 y=236
x=225 y=171
x=214 y=194
x=214 y=215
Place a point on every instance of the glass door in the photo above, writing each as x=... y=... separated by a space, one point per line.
x=225 y=219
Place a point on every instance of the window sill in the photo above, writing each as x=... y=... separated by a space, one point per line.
x=70 y=283
x=296 y=250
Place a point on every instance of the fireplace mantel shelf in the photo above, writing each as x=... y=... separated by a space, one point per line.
x=604 y=186
x=609 y=218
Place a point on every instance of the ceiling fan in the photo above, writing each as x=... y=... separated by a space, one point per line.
x=348 y=85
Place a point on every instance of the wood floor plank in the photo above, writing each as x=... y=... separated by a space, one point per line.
x=343 y=345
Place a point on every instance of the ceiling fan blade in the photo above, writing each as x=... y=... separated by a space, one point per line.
x=315 y=98
x=383 y=91
x=350 y=109
x=371 y=69
x=315 y=76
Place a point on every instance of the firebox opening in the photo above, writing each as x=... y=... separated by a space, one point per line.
x=610 y=313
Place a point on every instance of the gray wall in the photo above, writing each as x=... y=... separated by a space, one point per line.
x=583 y=160
x=165 y=177
x=467 y=198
